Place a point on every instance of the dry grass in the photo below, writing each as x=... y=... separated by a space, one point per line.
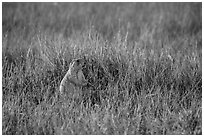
x=144 y=59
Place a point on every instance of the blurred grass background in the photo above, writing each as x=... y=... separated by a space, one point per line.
x=154 y=48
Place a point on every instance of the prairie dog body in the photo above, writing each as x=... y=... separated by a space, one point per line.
x=74 y=76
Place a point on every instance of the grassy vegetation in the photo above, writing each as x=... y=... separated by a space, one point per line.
x=152 y=52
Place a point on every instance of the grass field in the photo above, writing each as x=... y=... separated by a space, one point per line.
x=152 y=51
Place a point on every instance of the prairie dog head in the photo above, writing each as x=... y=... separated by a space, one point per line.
x=76 y=65
x=75 y=73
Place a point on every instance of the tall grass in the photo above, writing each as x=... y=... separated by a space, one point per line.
x=152 y=52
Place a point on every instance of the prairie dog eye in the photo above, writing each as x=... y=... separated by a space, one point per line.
x=77 y=61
